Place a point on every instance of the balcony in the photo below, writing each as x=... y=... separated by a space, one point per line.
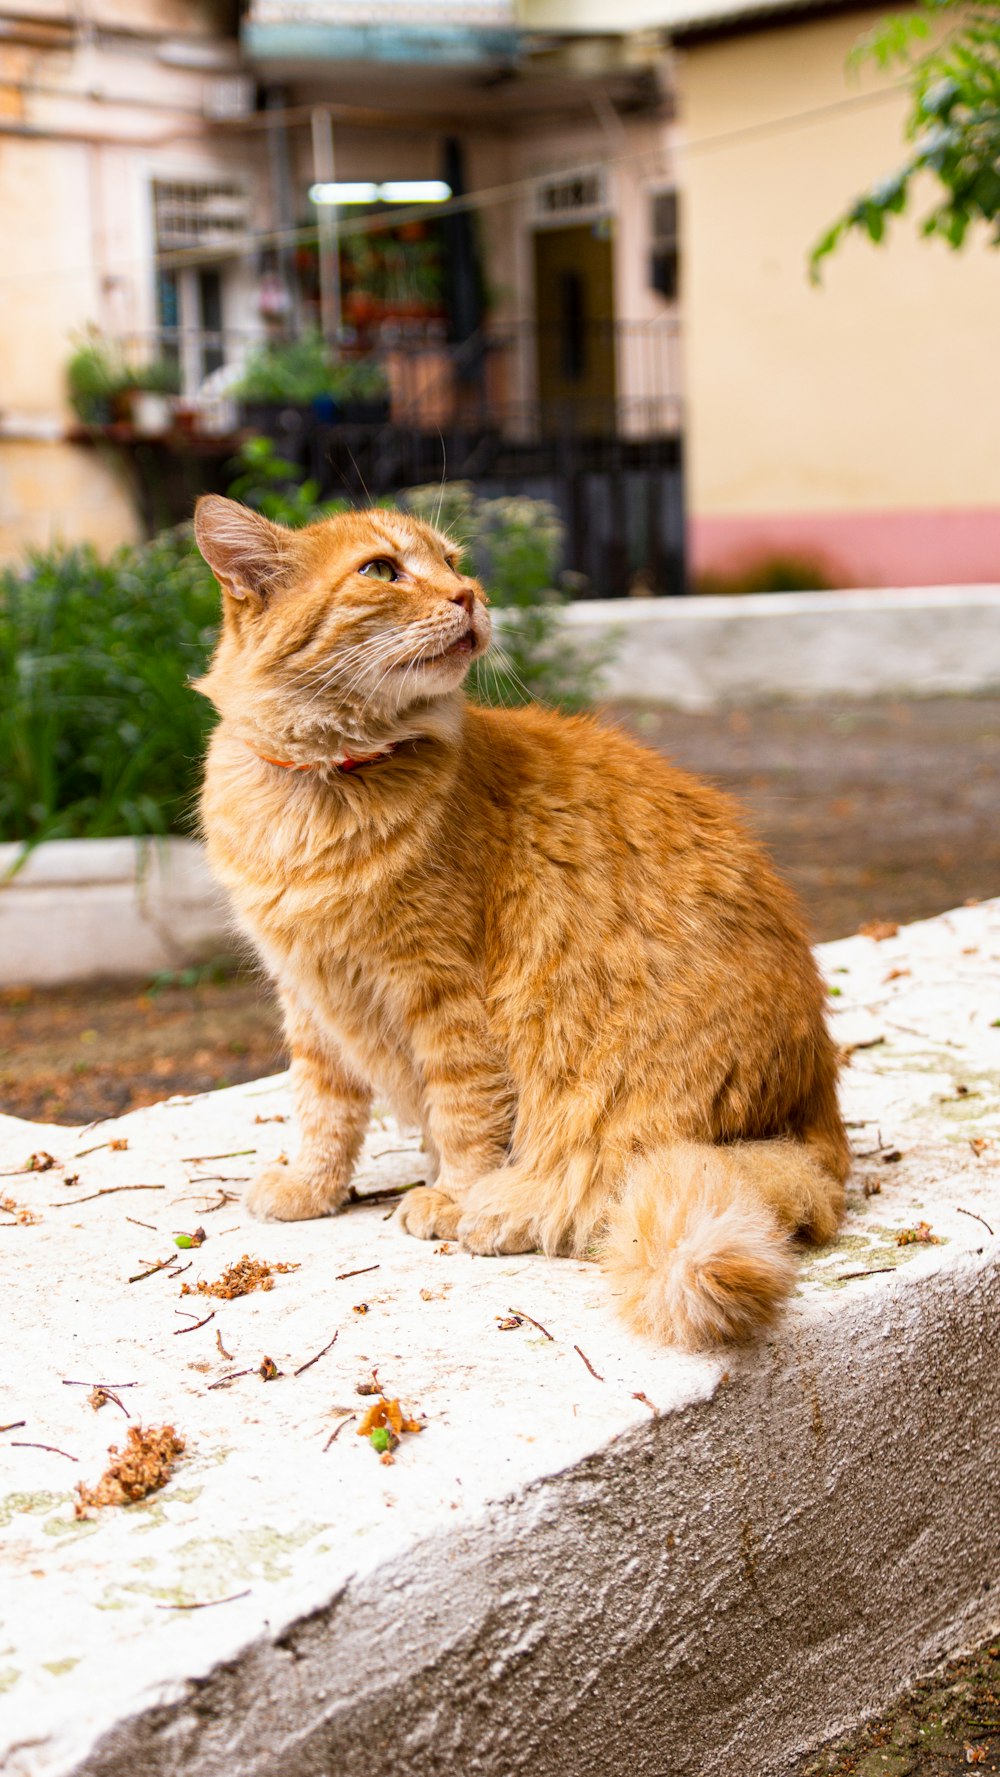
x=591 y=423
x=285 y=37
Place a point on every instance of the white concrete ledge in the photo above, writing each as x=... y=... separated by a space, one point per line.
x=689 y=1565
x=76 y=909
x=696 y=653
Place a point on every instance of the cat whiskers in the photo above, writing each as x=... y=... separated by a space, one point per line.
x=359 y=660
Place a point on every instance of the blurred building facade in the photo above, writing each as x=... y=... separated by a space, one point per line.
x=103 y=109
x=852 y=425
x=622 y=277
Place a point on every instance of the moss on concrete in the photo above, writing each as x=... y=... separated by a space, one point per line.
x=948 y=1723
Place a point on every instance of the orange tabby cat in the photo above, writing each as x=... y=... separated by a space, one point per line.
x=561 y=958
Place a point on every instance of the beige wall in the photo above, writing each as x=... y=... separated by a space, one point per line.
x=53 y=492
x=76 y=226
x=878 y=393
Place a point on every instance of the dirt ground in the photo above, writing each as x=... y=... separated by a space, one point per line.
x=885 y=810
x=875 y=810
x=945 y=1724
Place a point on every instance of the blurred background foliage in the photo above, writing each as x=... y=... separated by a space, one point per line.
x=950 y=51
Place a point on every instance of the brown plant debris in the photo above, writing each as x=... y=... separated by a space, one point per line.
x=315 y=1360
x=879 y=929
x=40 y=1162
x=506 y=1323
x=222 y=1350
x=117 y=1146
x=23 y=1216
x=921 y=1235
x=108 y=1191
x=535 y=1323
x=268 y=1370
x=383 y=1425
x=141 y=1467
x=588 y=1363
x=195 y=1324
x=239 y=1279
x=979 y=1145
x=99 y=1397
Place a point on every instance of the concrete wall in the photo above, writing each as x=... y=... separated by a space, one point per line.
x=855 y=422
x=85 y=909
x=701 y=653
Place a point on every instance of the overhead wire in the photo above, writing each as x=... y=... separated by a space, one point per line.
x=680 y=149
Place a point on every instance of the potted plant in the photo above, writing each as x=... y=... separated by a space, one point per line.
x=360 y=390
x=289 y=380
x=95 y=379
x=284 y=374
x=150 y=395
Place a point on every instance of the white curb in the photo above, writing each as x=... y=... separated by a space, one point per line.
x=690 y=1565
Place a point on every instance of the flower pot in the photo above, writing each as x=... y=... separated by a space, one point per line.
x=151 y=413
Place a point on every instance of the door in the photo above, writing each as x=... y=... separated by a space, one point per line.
x=574 y=307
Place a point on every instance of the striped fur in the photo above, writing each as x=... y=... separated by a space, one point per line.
x=560 y=957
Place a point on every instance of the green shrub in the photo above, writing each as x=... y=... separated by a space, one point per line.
x=300 y=371
x=99 y=730
x=95 y=377
x=273 y=485
x=159 y=376
x=770 y=573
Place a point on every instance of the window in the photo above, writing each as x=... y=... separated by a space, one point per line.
x=664 y=266
x=193 y=218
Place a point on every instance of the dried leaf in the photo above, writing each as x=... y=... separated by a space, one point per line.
x=879 y=929
x=143 y=1466
x=921 y=1235
x=238 y=1279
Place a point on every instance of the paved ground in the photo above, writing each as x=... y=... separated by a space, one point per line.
x=888 y=810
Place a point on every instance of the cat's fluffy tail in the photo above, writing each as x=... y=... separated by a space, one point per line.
x=699 y=1245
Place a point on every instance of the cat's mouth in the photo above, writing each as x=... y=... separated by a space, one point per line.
x=464 y=647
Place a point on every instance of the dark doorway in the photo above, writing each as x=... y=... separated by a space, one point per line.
x=574 y=306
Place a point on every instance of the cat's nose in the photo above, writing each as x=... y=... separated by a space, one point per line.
x=465 y=598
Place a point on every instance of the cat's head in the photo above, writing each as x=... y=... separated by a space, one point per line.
x=351 y=626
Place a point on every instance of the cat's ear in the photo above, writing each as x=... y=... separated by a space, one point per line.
x=249 y=556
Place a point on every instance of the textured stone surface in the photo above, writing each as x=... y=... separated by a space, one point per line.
x=555 y=1574
x=73 y=909
x=698 y=653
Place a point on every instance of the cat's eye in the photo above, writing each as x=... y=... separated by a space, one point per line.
x=379 y=569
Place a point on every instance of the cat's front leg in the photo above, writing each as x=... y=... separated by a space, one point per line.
x=331 y=1107
x=468 y=1102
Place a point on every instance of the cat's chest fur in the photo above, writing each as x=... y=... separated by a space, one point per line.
x=338 y=908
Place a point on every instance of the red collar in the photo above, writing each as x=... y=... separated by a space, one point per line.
x=345 y=764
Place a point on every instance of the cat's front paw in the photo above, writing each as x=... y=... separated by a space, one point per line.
x=489 y=1234
x=429 y=1214
x=288 y=1193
